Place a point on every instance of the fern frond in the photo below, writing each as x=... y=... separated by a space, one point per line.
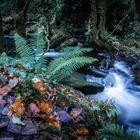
x=117 y=132
x=66 y=54
x=38 y=42
x=67 y=67
x=6 y=60
x=74 y=51
x=24 y=51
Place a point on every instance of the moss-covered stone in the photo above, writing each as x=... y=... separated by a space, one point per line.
x=78 y=82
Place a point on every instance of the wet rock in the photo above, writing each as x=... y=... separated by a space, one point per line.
x=136 y=69
x=132 y=59
x=78 y=82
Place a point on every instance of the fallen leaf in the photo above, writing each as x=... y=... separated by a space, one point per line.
x=30 y=128
x=21 y=68
x=18 y=107
x=13 y=128
x=75 y=112
x=33 y=107
x=13 y=82
x=45 y=106
x=4 y=111
x=39 y=84
x=63 y=116
x=65 y=102
x=4 y=90
x=80 y=132
x=17 y=120
x=42 y=89
x=63 y=89
x=52 y=120
x=2 y=103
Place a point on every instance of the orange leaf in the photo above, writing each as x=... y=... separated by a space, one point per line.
x=81 y=132
x=43 y=90
x=52 y=120
x=18 y=107
x=44 y=107
x=38 y=84
x=20 y=110
x=21 y=68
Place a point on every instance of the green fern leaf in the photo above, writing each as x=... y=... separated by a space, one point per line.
x=66 y=67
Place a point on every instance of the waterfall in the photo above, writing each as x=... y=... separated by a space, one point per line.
x=119 y=87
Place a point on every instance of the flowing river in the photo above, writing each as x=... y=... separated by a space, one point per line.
x=119 y=86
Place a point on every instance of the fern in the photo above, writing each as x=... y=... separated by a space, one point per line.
x=74 y=51
x=24 y=51
x=6 y=60
x=38 y=44
x=27 y=52
x=38 y=41
x=117 y=132
x=66 y=64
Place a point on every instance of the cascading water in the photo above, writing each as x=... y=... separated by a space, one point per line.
x=119 y=86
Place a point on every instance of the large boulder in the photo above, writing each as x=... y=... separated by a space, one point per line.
x=78 y=82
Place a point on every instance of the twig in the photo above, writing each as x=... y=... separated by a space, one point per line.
x=117 y=26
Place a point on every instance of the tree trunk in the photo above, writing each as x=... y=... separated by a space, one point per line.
x=98 y=17
x=22 y=6
x=102 y=16
x=94 y=14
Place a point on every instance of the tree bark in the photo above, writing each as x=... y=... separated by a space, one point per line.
x=98 y=17
x=21 y=11
x=94 y=14
x=102 y=16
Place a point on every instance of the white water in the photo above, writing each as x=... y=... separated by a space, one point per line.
x=126 y=100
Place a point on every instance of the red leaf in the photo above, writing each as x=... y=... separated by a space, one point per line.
x=4 y=90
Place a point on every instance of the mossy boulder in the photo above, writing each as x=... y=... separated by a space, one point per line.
x=78 y=82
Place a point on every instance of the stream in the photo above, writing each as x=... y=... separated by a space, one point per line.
x=119 y=86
